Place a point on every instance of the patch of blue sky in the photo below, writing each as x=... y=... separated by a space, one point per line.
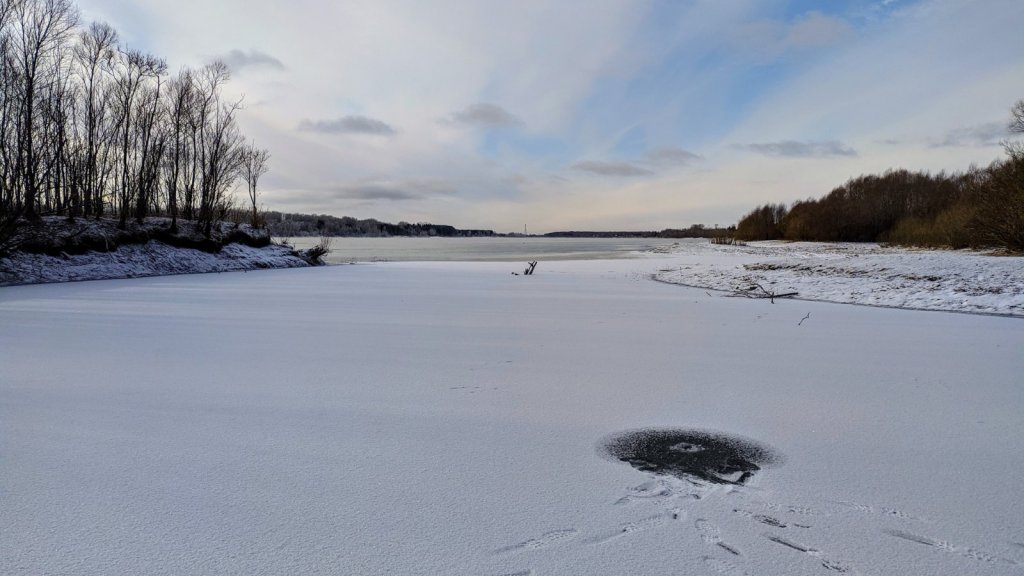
x=552 y=152
x=854 y=11
x=683 y=101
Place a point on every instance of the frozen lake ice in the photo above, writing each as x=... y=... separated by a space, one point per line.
x=448 y=418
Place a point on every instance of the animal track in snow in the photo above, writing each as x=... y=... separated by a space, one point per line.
x=826 y=563
x=892 y=512
x=712 y=536
x=641 y=525
x=834 y=566
x=542 y=541
x=801 y=510
x=965 y=551
x=794 y=545
x=709 y=533
x=762 y=518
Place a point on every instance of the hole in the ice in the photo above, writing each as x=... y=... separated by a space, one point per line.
x=694 y=454
x=686 y=447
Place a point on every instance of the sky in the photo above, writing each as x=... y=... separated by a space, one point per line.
x=593 y=114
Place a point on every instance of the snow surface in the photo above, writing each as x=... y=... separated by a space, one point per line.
x=140 y=260
x=446 y=418
x=962 y=281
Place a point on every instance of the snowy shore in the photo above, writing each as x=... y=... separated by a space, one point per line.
x=868 y=274
x=150 y=259
x=57 y=250
x=450 y=418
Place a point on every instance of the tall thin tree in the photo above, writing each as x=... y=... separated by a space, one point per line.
x=255 y=163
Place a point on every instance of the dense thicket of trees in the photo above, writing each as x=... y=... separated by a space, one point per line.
x=92 y=128
x=980 y=207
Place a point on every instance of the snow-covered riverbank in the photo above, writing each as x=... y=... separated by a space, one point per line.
x=56 y=250
x=136 y=261
x=450 y=418
x=957 y=281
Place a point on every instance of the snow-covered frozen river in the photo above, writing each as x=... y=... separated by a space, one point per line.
x=487 y=249
x=449 y=418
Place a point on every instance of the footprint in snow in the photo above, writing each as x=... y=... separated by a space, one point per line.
x=762 y=518
x=543 y=541
x=827 y=563
x=640 y=525
x=712 y=536
x=965 y=551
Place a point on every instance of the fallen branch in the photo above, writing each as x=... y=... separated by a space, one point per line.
x=529 y=269
x=800 y=323
x=765 y=293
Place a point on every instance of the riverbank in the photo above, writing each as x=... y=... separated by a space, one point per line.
x=855 y=273
x=56 y=250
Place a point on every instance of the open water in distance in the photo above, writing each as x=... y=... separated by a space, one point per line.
x=497 y=249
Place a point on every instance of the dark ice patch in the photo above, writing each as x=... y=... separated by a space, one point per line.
x=694 y=454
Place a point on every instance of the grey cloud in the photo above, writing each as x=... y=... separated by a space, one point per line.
x=611 y=168
x=390 y=190
x=332 y=194
x=805 y=149
x=348 y=125
x=988 y=134
x=486 y=115
x=375 y=192
x=236 y=60
x=670 y=155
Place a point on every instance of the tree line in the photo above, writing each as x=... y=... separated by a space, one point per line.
x=982 y=207
x=694 y=231
x=92 y=128
x=288 y=225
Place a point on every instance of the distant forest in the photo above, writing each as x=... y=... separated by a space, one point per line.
x=982 y=207
x=694 y=231
x=284 y=225
x=289 y=225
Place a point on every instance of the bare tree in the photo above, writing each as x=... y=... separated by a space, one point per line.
x=1017 y=117
x=254 y=165
x=151 y=140
x=9 y=118
x=180 y=100
x=134 y=70
x=94 y=54
x=220 y=145
x=40 y=27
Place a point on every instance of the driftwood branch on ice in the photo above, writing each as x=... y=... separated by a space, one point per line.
x=758 y=291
